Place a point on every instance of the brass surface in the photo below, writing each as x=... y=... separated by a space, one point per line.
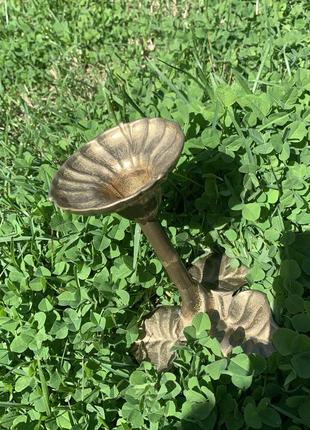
x=121 y=170
x=191 y=299
x=162 y=330
x=160 y=333
x=242 y=320
x=237 y=319
x=214 y=271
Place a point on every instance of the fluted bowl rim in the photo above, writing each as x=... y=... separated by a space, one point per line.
x=124 y=202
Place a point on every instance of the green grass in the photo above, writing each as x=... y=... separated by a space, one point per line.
x=235 y=76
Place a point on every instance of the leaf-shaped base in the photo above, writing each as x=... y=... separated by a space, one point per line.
x=214 y=271
x=242 y=319
x=162 y=330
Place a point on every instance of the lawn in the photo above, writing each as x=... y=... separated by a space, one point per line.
x=235 y=75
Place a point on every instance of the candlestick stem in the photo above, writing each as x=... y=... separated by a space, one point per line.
x=188 y=289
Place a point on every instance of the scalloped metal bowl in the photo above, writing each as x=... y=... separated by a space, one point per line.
x=120 y=169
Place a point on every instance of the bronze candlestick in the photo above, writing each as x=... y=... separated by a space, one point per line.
x=121 y=171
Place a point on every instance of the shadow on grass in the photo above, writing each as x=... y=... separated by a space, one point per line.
x=200 y=195
x=293 y=283
x=270 y=375
x=201 y=191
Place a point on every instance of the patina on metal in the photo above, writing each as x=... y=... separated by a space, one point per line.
x=121 y=170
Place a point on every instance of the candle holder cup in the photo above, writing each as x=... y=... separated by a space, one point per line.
x=121 y=170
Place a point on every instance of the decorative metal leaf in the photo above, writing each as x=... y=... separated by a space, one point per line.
x=243 y=319
x=214 y=271
x=160 y=333
x=237 y=319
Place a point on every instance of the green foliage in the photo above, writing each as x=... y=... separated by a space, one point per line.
x=235 y=75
